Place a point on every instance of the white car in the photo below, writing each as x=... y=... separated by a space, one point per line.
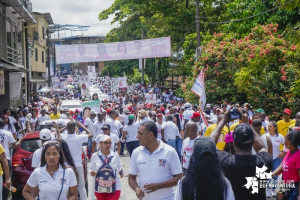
x=71 y=104
x=49 y=125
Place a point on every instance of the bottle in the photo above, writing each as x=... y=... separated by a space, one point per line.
x=12 y=189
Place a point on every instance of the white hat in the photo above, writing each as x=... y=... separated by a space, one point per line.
x=187 y=105
x=93 y=112
x=61 y=123
x=104 y=138
x=45 y=134
x=66 y=109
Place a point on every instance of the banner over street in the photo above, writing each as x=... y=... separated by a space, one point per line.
x=149 y=48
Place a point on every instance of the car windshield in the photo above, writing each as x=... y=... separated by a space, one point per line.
x=48 y=126
x=31 y=145
x=71 y=106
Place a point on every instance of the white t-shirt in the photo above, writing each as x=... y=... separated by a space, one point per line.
x=42 y=118
x=89 y=123
x=113 y=126
x=157 y=167
x=187 y=151
x=124 y=119
x=75 y=145
x=276 y=141
x=115 y=163
x=36 y=158
x=6 y=139
x=114 y=140
x=11 y=129
x=97 y=129
x=188 y=114
x=132 y=131
x=159 y=130
x=178 y=192
x=119 y=125
x=170 y=130
x=49 y=187
x=33 y=122
x=23 y=120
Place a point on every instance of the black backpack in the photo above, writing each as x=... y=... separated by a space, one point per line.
x=105 y=180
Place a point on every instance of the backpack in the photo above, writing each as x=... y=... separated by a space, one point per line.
x=105 y=180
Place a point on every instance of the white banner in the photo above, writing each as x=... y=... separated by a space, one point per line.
x=114 y=84
x=122 y=82
x=15 y=85
x=151 y=98
x=92 y=75
x=199 y=88
x=85 y=85
x=149 y=48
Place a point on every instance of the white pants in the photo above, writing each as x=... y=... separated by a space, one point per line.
x=80 y=183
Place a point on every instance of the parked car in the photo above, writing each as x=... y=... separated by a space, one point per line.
x=49 y=125
x=71 y=104
x=21 y=163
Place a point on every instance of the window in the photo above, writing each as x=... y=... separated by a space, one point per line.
x=43 y=32
x=36 y=55
x=40 y=74
x=42 y=56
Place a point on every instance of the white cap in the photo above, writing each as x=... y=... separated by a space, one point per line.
x=61 y=123
x=45 y=134
x=187 y=105
x=93 y=112
x=104 y=138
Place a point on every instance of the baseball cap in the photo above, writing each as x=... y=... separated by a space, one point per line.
x=45 y=134
x=144 y=113
x=259 y=110
x=207 y=106
x=159 y=115
x=92 y=112
x=204 y=147
x=77 y=111
x=195 y=114
x=126 y=111
x=162 y=109
x=104 y=138
x=243 y=134
x=130 y=117
x=130 y=108
x=106 y=126
x=187 y=105
x=61 y=123
x=108 y=110
x=66 y=109
x=287 y=111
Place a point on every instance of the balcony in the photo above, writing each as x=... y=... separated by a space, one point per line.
x=14 y=56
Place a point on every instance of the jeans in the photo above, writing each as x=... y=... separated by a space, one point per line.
x=172 y=143
x=89 y=148
x=131 y=146
x=122 y=147
x=276 y=164
x=81 y=183
x=293 y=193
x=178 y=147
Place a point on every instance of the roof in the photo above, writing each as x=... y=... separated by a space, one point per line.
x=47 y=16
x=21 y=8
x=32 y=135
x=9 y=66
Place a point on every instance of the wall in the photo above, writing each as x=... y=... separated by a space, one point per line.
x=5 y=99
x=40 y=45
x=3 y=51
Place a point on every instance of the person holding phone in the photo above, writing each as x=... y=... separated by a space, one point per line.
x=115 y=162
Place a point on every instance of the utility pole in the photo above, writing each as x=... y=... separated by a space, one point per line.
x=48 y=56
x=198 y=29
x=143 y=63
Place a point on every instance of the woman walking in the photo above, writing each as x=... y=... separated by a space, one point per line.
x=52 y=178
x=129 y=134
x=105 y=156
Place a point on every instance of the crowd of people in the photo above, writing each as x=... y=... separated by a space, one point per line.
x=177 y=150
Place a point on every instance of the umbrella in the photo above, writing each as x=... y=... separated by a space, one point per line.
x=44 y=90
x=70 y=86
x=69 y=79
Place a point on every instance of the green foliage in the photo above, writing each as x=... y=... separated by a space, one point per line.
x=137 y=77
x=261 y=68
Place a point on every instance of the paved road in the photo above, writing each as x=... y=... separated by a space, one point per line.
x=126 y=192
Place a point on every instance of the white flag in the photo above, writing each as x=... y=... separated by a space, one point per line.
x=199 y=89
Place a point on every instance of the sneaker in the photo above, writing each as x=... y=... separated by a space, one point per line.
x=273 y=193
x=269 y=194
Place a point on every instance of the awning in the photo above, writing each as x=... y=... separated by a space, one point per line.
x=22 y=10
x=12 y=67
x=37 y=80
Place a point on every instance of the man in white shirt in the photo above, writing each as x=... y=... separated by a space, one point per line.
x=187 y=114
x=75 y=146
x=112 y=115
x=159 y=124
x=89 y=122
x=97 y=129
x=187 y=145
x=42 y=117
x=157 y=165
x=169 y=132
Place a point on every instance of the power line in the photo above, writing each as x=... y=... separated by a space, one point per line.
x=226 y=22
x=186 y=33
x=239 y=11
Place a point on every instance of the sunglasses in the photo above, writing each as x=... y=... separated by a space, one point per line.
x=106 y=142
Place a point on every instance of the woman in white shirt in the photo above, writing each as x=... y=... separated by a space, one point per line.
x=277 y=139
x=50 y=176
x=115 y=162
x=129 y=134
x=204 y=176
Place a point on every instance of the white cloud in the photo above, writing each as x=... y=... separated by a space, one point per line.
x=77 y=12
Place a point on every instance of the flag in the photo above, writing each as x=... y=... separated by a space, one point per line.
x=199 y=89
